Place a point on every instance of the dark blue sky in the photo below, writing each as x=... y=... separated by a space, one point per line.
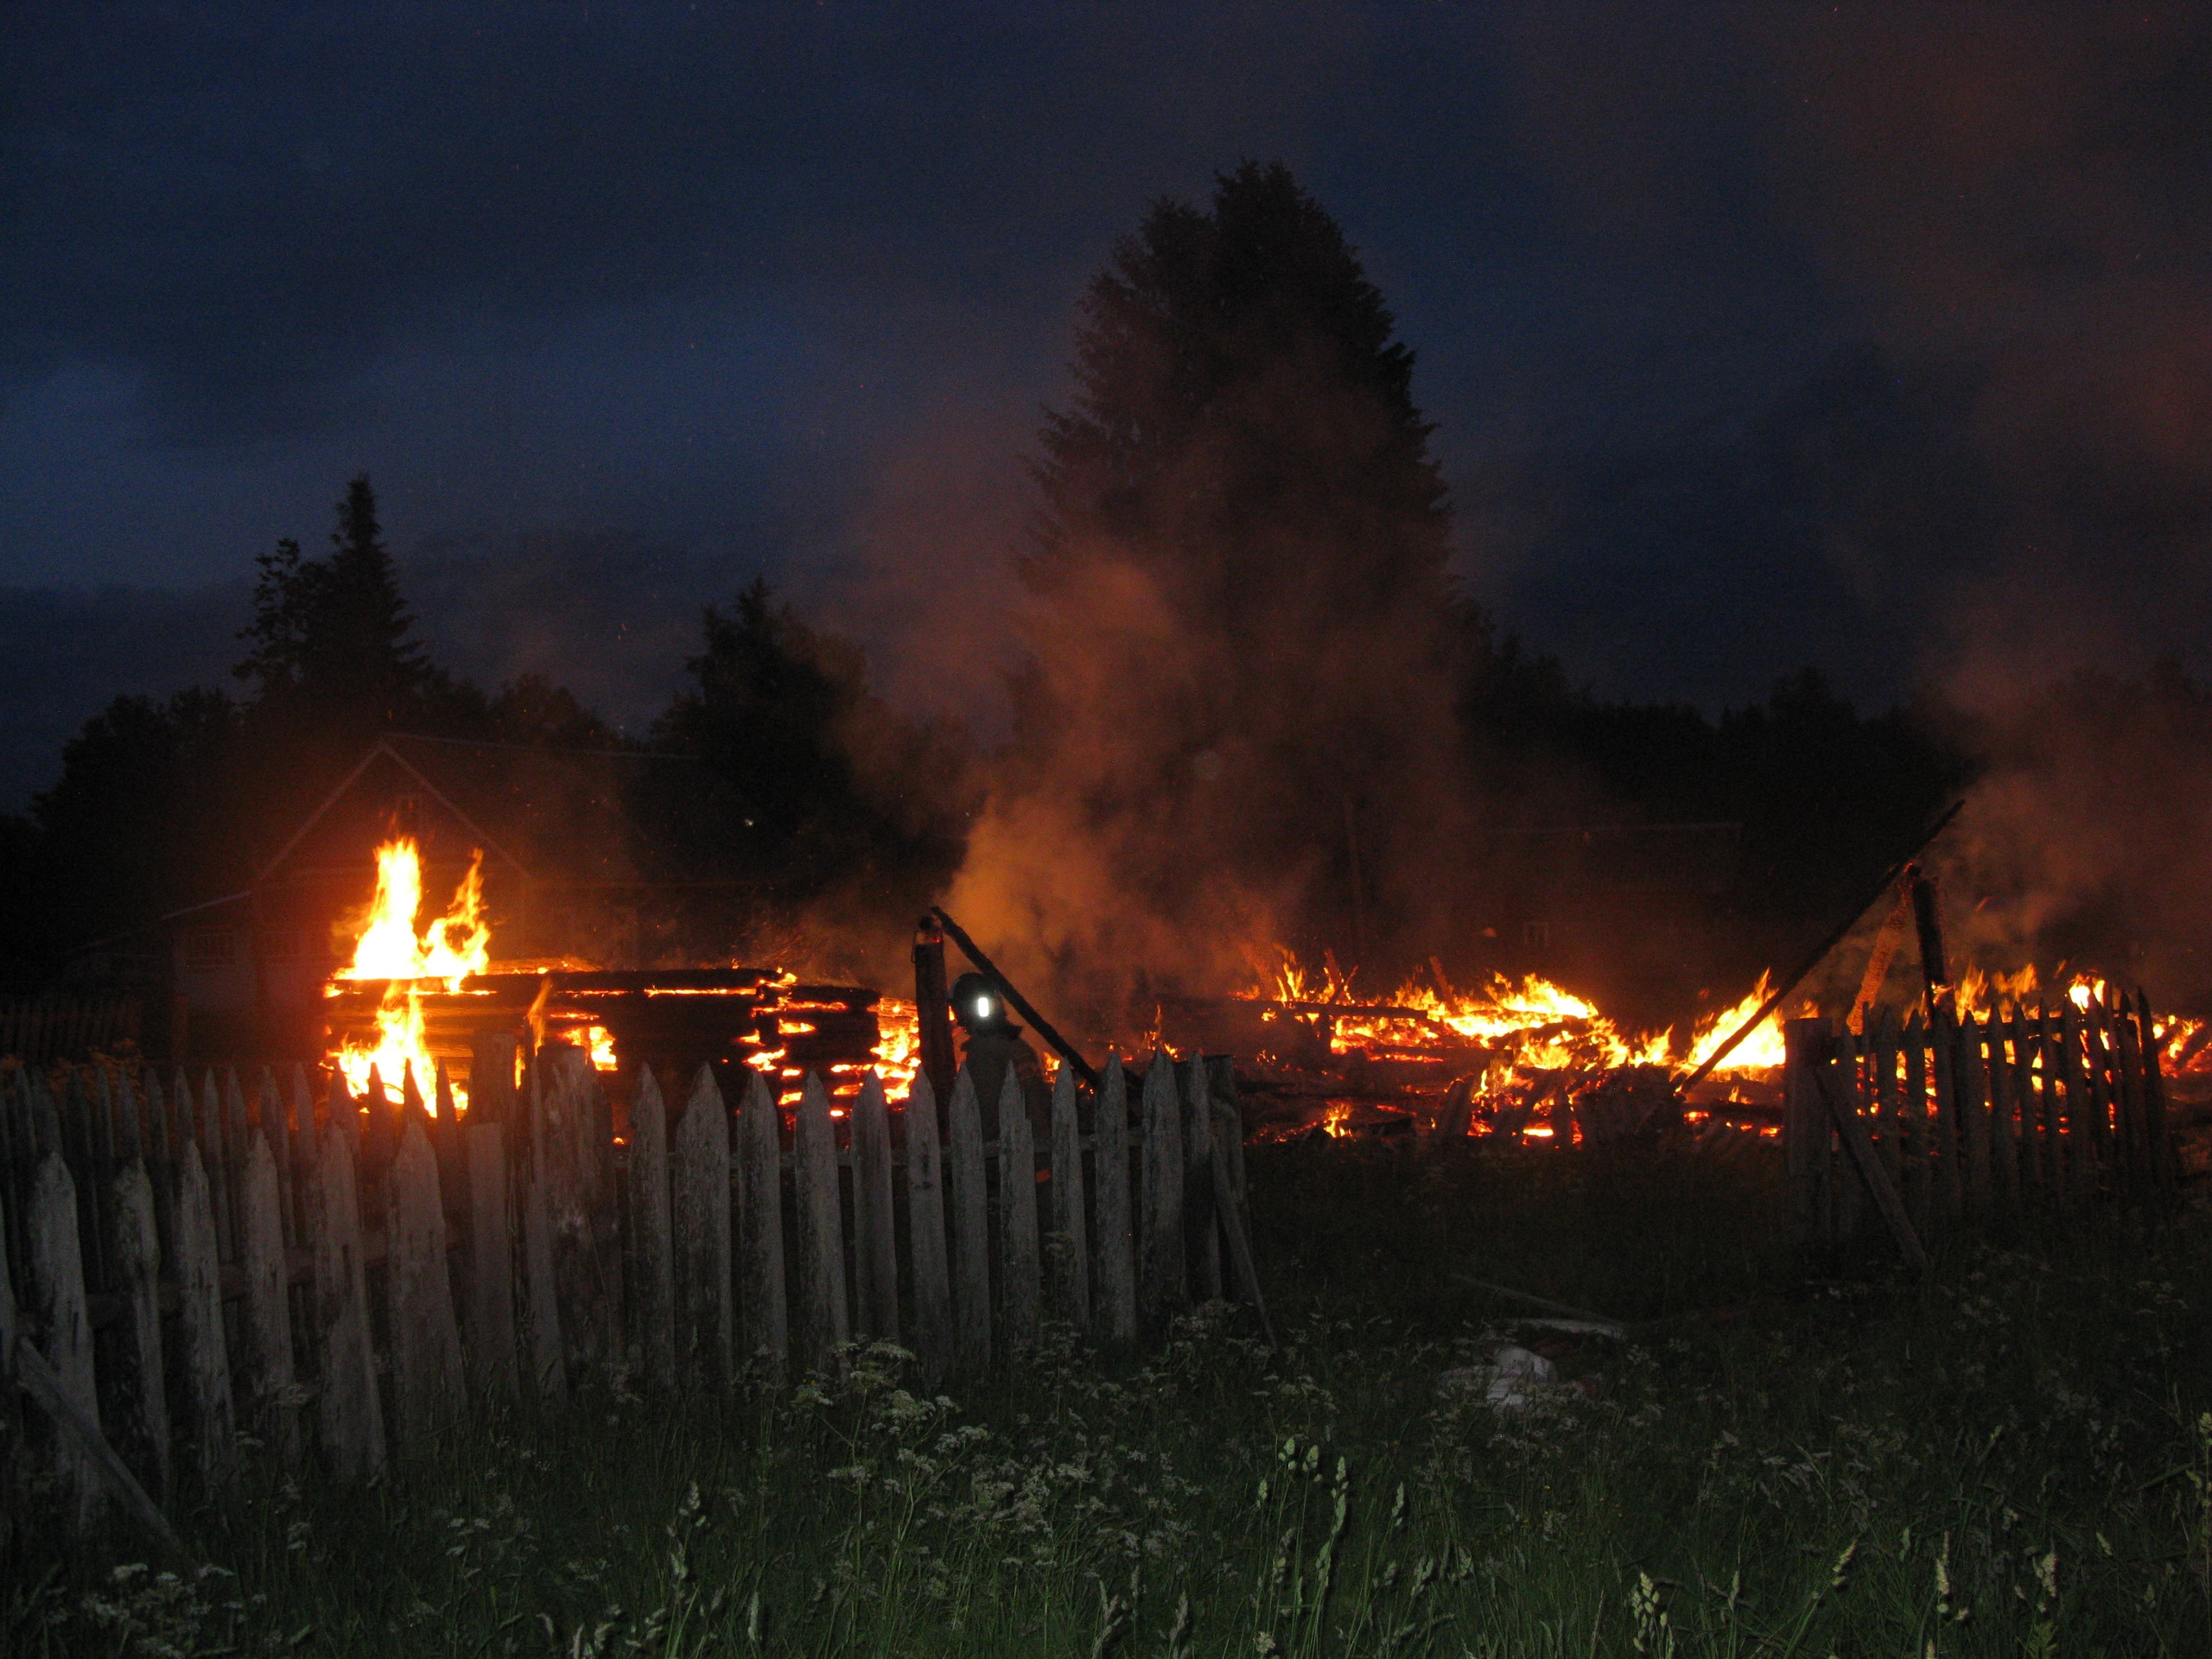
x=1873 y=337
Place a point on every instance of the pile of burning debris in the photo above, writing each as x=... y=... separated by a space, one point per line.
x=1523 y=1059
x=411 y=999
x=1527 y=1061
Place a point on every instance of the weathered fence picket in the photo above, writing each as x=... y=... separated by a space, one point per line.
x=875 y=1236
x=136 y=1408
x=970 y=1235
x=824 y=1323
x=1161 y=1245
x=1117 y=1292
x=925 y=1232
x=1020 y=1293
x=426 y=1366
x=765 y=1319
x=349 y=1412
x=240 y=1212
x=57 y=1309
x=699 y=1217
x=652 y=1287
x=1067 y=1251
x=211 y=1423
x=265 y=1364
x=2017 y=1114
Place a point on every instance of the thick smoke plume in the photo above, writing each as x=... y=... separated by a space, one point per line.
x=1235 y=724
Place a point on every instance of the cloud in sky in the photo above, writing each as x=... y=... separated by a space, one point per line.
x=784 y=287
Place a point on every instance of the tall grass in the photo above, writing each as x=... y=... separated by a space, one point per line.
x=2012 y=1458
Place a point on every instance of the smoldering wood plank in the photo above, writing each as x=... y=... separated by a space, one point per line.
x=428 y=1389
x=699 y=1222
x=1068 y=1253
x=824 y=1324
x=1022 y=1290
x=970 y=1231
x=766 y=1329
x=925 y=1239
x=265 y=1364
x=1165 y=1284
x=211 y=1425
x=349 y=1414
x=63 y=1327
x=137 y=1411
x=1117 y=1295
x=876 y=1239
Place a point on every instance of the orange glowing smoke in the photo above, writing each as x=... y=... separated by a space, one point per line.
x=391 y=947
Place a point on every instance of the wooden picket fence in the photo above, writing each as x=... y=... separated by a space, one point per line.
x=38 y=1029
x=356 y=1276
x=1967 y=1122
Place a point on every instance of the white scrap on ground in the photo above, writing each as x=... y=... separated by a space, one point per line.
x=1513 y=1379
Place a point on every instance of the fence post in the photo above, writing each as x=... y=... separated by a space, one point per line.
x=351 y=1415
x=57 y=1291
x=1165 y=1282
x=491 y=1258
x=2004 y=1143
x=1069 y=1252
x=572 y=1169
x=1110 y=1164
x=875 y=1238
x=139 y=1397
x=427 y=1388
x=1805 y=1122
x=926 y=1231
x=12 y=1462
x=971 y=1287
x=1201 y=1236
x=699 y=1199
x=652 y=1227
x=199 y=1319
x=765 y=1315
x=825 y=1327
x=267 y=1361
x=1020 y=1291
x=1913 y=1146
x=1971 y=1079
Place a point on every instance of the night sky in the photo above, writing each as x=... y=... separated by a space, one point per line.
x=1874 y=337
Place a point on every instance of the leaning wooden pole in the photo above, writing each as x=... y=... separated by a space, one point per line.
x=1818 y=955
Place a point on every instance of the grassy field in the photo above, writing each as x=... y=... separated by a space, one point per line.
x=2011 y=1458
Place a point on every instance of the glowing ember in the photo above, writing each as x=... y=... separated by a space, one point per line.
x=898 y=1047
x=391 y=947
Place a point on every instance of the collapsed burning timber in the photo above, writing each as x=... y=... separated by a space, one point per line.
x=1525 y=1060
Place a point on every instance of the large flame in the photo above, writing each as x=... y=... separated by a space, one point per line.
x=391 y=947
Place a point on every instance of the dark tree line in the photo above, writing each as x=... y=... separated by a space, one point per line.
x=794 y=794
x=1250 y=671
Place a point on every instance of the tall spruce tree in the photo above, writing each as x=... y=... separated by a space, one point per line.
x=330 y=637
x=1237 y=687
